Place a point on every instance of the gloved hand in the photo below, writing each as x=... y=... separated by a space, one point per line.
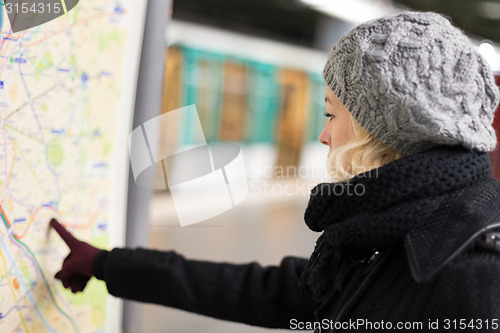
x=77 y=268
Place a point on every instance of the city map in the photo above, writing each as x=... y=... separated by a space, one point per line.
x=62 y=87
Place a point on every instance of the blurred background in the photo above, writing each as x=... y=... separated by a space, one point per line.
x=253 y=69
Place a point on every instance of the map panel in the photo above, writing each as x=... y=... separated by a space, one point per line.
x=65 y=105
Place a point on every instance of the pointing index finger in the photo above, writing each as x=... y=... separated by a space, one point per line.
x=68 y=238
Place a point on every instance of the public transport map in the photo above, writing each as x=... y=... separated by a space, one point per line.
x=66 y=102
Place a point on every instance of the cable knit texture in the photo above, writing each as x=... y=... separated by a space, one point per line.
x=414 y=193
x=414 y=81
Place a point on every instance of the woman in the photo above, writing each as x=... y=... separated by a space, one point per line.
x=408 y=227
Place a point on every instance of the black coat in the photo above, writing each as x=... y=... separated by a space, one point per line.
x=465 y=289
x=443 y=277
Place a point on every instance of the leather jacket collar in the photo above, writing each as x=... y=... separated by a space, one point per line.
x=430 y=246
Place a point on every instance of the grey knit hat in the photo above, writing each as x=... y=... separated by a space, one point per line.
x=414 y=81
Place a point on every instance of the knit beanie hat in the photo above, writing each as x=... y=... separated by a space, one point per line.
x=414 y=81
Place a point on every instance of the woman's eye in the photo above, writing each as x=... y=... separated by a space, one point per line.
x=328 y=115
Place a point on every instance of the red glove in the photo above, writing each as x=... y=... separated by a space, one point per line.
x=77 y=268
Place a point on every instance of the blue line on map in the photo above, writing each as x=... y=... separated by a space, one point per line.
x=51 y=170
x=25 y=286
x=27 y=38
x=15 y=306
x=19 y=202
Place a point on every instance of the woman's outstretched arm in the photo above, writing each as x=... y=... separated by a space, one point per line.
x=246 y=293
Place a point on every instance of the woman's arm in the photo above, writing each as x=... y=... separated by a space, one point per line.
x=246 y=293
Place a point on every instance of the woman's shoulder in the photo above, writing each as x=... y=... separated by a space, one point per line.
x=467 y=287
x=479 y=261
x=458 y=257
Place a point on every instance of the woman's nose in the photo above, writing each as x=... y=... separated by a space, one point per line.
x=324 y=136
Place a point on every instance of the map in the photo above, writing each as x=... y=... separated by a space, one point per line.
x=67 y=90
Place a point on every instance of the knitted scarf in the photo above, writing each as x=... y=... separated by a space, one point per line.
x=377 y=208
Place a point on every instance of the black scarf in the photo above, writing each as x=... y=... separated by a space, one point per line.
x=378 y=208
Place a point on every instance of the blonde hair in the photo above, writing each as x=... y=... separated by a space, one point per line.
x=362 y=153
